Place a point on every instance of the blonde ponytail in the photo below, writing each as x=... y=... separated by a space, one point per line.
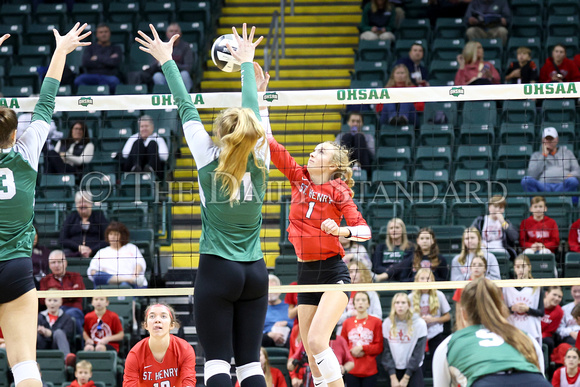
x=341 y=159
x=238 y=131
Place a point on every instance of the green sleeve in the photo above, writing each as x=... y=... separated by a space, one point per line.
x=46 y=102
x=391 y=25
x=364 y=24
x=249 y=89
x=185 y=106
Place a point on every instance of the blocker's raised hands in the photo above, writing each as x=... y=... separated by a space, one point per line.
x=246 y=49
x=159 y=49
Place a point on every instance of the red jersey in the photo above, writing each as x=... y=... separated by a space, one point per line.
x=568 y=69
x=70 y=281
x=551 y=320
x=176 y=370
x=367 y=333
x=74 y=383
x=278 y=379
x=311 y=205
x=108 y=325
x=560 y=375
x=574 y=235
x=544 y=231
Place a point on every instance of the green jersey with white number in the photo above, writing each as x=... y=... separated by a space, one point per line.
x=474 y=352
x=18 y=170
x=230 y=230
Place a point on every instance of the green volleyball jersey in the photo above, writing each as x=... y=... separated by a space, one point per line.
x=18 y=170
x=474 y=352
x=230 y=230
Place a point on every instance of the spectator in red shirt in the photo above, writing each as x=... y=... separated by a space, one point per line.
x=558 y=68
x=102 y=330
x=553 y=315
x=365 y=340
x=274 y=377
x=83 y=375
x=574 y=237
x=61 y=279
x=539 y=233
x=292 y=300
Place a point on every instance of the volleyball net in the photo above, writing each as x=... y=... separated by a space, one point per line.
x=457 y=147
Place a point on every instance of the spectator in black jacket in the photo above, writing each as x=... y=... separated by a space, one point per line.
x=101 y=61
x=56 y=329
x=83 y=231
x=396 y=248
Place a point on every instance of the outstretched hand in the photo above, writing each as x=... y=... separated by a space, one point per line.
x=159 y=49
x=261 y=78
x=3 y=38
x=72 y=39
x=246 y=49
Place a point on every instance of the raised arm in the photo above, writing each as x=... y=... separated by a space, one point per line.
x=245 y=55
x=33 y=139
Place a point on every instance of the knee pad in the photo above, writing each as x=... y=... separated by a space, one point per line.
x=247 y=370
x=328 y=365
x=214 y=367
x=25 y=370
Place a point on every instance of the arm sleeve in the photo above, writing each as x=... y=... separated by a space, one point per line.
x=187 y=367
x=556 y=378
x=131 y=373
x=539 y=312
x=84 y=158
x=554 y=240
x=511 y=234
x=493 y=271
x=30 y=143
x=364 y=24
x=387 y=361
x=376 y=346
x=573 y=237
x=441 y=374
x=356 y=224
x=284 y=161
x=185 y=107
x=442 y=271
x=199 y=142
x=377 y=259
x=162 y=148
x=460 y=77
x=536 y=165
x=249 y=89
x=416 y=356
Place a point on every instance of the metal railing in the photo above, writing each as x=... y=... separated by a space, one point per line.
x=276 y=41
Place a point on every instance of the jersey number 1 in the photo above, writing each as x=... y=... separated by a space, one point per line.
x=164 y=383
x=310 y=209
x=7 y=185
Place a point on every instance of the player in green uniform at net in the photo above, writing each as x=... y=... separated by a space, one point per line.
x=488 y=351
x=18 y=170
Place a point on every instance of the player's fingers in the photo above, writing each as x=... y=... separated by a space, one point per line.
x=154 y=31
x=145 y=37
x=244 y=31
x=252 y=31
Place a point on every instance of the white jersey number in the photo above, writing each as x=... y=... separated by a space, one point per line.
x=7 y=185
x=164 y=383
x=490 y=339
x=310 y=209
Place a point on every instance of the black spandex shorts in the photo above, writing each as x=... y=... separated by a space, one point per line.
x=15 y=278
x=330 y=271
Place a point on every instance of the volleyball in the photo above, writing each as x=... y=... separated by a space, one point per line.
x=222 y=57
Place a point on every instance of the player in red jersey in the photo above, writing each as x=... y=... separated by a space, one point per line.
x=160 y=360
x=321 y=197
